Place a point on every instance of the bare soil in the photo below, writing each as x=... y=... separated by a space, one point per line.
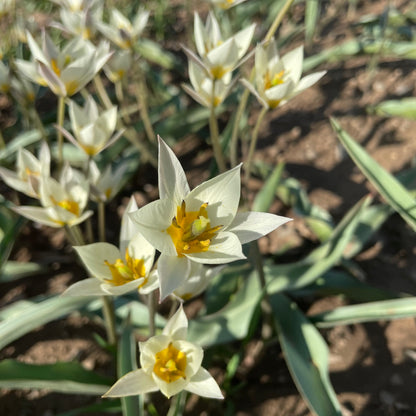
x=372 y=366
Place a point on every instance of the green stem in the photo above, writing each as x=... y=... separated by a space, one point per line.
x=278 y=20
x=102 y=93
x=120 y=99
x=152 y=312
x=60 y=137
x=253 y=144
x=141 y=97
x=2 y=142
x=101 y=221
x=215 y=137
x=109 y=319
x=236 y=126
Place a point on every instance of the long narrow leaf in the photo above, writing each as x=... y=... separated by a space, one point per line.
x=306 y=355
x=60 y=377
x=38 y=314
x=367 y=312
x=388 y=186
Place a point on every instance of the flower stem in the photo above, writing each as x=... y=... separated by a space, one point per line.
x=152 y=311
x=141 y=96
x=278 y=20
x=215 y=137
x=2 y=142
x=253 y=143
x=234 y=135
x=102 y=93
x=101 y=221
x=109 y=319
x=60 y=137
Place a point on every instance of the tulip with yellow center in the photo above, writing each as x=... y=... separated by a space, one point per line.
x=64 y=71
x=169 y=363
x=114 y=270
x=279 y=79
x=201 y=225
x=63 y=202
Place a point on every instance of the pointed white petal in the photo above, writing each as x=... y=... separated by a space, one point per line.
x=308 y=81
x=203 y=384
x=140 y=248
x=249 y=226
x=222 y=194
x=170 y=389
x=133 y=383
x=152 y=220
x=172 y=271
x=128 y=227
x=94 y=255
x=86 y=287
x=243 y=39
x=292 y=62
x=199 y=34
x=177 y=325
x=172 y=180
x=38 y=214
x=224 y=248
x=110 y=289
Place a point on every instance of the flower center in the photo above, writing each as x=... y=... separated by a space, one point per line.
x=123 y=272
x=68 y=205
x=170 y=364
x=191 y=231
x=277 y=79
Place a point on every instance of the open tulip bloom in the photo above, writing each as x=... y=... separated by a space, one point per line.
x=117 y=271
x=201 y=225
x=169 y=363
x=29 y=171
x=279 y=79
x=64 y=71
x=63 y=202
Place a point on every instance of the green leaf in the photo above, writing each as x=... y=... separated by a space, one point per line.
x=388 y=186
x=107 y=406
x=126 y=362
x=36 y=315
x=153 y=52
x=312 y=11
x=22 y=140
x=304 y=272
x=306 y=355
x=230 y=323
x=14 y=270
x=406 y=107
x=60 y=377
x=367 y=312
x=264 y=198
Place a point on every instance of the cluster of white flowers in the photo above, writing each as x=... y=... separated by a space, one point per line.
x=189 y=228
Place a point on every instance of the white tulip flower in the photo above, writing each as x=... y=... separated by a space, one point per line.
x=63 y=202
x=117 y=271
x=121 y=31
x=202 y=87
x=279 y=80
x=64 y=71
x=79 y=5
x=219 y=57
x=118 y=65
x=29 y=171
x=105 y=185
x=169 y=363
x=93 y=130
x=201 y=225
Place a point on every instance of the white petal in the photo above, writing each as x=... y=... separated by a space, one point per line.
x=280 y=91
x=94 y=255
x=128 y=227
x=292 y=62
x=152 y=220
x=86 y=287
x=203 y=384
x=308 y=81
x=224 y=248
x=170 y=389
x=177 y=325
x=173 y=272
x=38 y=214
x=110 y=289
x=224 y=56
x=194 y=355
x=249 y=226
x=243 y=39
x=133 y=383
x=140 y=248
x=199 y=34
x=222 y=194
x=172 y=180
x=151 y=285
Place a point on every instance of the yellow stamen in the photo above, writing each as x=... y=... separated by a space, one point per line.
x=191 y=231
x=68 y=205
x=218 y=71
x=170 y=364
x=277 y=79
x=55 y=67
x=123 y=272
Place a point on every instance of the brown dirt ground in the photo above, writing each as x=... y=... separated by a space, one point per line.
x=372 y=366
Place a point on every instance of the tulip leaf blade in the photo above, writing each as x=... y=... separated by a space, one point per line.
x=389 y=187
x=406 y=107
x=367 y=312
x=37 y=314
x=306 y=355
x=60 y=377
